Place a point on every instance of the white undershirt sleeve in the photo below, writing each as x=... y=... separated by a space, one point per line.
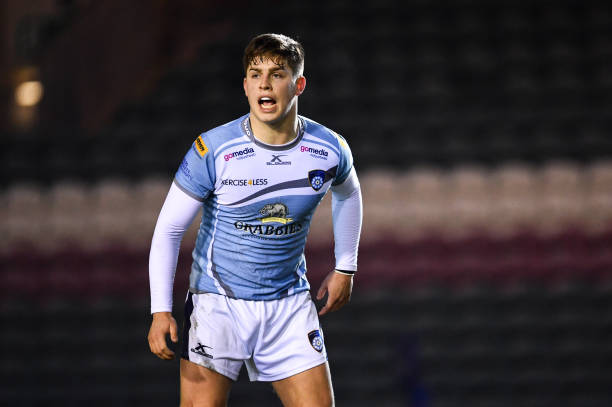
x=347 y=214
x=176 y=215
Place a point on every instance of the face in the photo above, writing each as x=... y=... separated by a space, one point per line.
x=272 y=90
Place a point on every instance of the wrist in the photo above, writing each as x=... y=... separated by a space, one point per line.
x=162 y=314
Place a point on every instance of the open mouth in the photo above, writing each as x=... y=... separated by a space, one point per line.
x=266 y=101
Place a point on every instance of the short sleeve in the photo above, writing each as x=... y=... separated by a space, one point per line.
x=345 y=163
x=196 y=174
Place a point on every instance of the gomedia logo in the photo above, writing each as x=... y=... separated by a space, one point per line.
x=320 y=153
x=247 y=152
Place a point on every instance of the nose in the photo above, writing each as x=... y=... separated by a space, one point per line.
x=264 y=82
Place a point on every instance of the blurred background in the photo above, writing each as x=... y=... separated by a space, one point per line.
x=482 y=133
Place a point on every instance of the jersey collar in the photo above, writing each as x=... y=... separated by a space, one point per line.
x=246 y=128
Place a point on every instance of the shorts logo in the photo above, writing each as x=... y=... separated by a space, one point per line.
x=201 y=350
x=316 y=340
x=276 y=212
x=316 y=179
x=200 y=146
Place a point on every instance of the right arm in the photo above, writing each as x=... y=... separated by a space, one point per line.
x=176 y=215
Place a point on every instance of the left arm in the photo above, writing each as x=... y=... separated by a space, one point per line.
x=346 y=214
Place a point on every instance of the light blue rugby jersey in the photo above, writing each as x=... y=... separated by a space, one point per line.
x=258 y=201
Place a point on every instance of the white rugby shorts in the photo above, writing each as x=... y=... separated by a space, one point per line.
x=275 y=339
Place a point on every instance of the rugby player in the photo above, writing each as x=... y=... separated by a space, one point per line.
x=258 y=180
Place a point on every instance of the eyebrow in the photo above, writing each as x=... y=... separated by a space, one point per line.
x=277 y=68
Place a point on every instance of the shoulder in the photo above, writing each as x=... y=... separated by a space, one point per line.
x=322 y=134
x=318 y=131
x=223 y=135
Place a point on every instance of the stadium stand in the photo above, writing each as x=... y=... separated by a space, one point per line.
x=482 y=136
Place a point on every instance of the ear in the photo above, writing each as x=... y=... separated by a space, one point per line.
x=300 y=85
x=244 y=85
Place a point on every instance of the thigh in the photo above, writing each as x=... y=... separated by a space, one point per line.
x=211 y=336
x=201 y=386
x=311 y=388
x=290 y=340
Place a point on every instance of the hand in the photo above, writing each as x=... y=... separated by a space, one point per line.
x=338 y=288
x=163 y=323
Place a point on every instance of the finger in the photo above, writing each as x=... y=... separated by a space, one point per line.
x=163 y=356
x=157 y=348
x=339 y=304
x=321 y=292
x=163 y=346
x=324 y=310
x=173 y=332
x=153 y=344
x=162 y=351
x=167 y=354
x=334 y=303
x=328 y=306
x=157 y=343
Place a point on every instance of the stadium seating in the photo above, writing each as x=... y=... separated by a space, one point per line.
x=481 y=134
x=449 y=84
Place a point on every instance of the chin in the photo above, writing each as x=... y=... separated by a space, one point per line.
x=270 y=118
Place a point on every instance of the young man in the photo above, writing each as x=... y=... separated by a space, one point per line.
x=258 y=179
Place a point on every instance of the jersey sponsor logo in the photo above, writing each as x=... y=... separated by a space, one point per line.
x=316 y=179
x=316 y=340
x=276 y=212
x=240 y=155
x=316 y=153
x=272 y=213
x=244 y=182
x=200 y=146
x=201 y=350
x=185 y=169
x=277 y=160
x=268 y=230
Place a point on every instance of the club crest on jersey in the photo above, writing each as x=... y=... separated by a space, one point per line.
x=316 y=340
x=316 y=179
x=276 y=212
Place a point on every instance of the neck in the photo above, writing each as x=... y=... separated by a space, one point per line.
x=276 y=133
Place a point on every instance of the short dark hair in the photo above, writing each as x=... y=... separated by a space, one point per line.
x=277 y=47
